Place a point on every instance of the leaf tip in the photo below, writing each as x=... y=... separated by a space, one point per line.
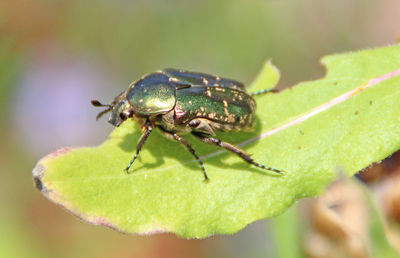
x=37 y=173
x=269 y=63
x=267 y=77
x=40 y=169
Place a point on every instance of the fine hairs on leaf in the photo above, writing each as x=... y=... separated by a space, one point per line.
x=314 y=131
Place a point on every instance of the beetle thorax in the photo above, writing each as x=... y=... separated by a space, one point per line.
x=151 y=95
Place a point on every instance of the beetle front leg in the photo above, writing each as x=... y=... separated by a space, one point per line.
x=189 y=148
x=234 y=149
x=148 y=127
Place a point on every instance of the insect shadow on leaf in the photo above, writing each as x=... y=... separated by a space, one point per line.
x=160 y=147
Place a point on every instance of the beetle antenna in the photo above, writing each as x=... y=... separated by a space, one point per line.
x=97 y=103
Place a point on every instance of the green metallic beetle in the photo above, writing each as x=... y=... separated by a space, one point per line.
x=177 y=101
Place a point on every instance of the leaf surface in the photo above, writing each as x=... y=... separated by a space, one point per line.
x=314 y=131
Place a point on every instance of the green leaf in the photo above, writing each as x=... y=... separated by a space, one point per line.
x=268 y=78
x=314 y=131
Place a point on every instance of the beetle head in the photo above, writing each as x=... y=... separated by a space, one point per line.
x=119 y=108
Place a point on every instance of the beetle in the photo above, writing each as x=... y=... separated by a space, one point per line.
x=178 y=102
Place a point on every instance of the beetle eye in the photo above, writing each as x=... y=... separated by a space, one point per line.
x=122 y=116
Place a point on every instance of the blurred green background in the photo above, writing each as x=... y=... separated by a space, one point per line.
x=57 y=55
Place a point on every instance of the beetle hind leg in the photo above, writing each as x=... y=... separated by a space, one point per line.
x=236 y=150
x=177 y=138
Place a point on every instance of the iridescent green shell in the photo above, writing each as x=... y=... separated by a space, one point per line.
x=218 y=104
x=192 y=95
x=152 y=95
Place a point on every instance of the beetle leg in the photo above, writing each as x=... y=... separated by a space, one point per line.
x=264 y=91
x=189 y=148
x=234 y=149
x=148 y=127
